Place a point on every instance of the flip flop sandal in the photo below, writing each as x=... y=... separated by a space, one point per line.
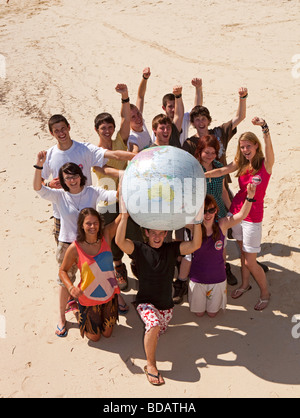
x=237 y=293
x=124 y=310
x=61 y=329
x=155 y=376
x=261 y=304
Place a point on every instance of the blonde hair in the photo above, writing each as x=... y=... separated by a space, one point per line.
x=242 y=162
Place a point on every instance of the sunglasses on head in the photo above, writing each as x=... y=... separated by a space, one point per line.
x=211 y=211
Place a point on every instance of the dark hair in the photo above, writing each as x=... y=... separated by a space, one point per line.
x=103 y=118
x=168 y=98
x=82 y=215
x=72 y=169
x=160 y=119
x=210 y=200
x=207 y=141
x=57 y=119
x=199 y=111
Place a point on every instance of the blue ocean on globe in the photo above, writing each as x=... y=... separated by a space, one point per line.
x=163 y=188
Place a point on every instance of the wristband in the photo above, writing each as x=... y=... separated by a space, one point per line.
x=244 y=97
x=38 y=167
x=198 y=222
x=145 y=78
x=178 y=96
x=70 y=289
x=250 y=199
x=125 y=100
x=265 y=128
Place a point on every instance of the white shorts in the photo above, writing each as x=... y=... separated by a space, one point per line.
x=207 y=297
x=250 y=234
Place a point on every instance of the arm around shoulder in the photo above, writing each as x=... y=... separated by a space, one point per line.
x=222 y=171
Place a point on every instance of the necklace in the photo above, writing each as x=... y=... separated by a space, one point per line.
x=73 y=199
x=92 y=243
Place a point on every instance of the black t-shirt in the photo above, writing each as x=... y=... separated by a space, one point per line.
x=224 y=133
x=175 y=137
x=155 y=270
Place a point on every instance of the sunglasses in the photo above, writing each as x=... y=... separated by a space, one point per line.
x=211 y=211
x=72 y=177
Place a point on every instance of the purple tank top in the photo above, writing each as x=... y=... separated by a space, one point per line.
x=208 y=263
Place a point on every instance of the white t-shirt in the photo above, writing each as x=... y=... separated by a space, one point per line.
x=141 y=139
x=69 y=206
x=184 y=129
x=85 y=155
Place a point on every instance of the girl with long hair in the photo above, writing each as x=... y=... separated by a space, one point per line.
x=253 y=167
x=208 y=285
x=97 y=292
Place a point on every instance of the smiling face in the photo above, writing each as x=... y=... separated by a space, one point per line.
x=72 y=181
x=163 y=133
x=155 y=237
x=136 y=120
x=61 y=133
x=91 y=225
x=208 y=155
x=201 y=124
x=248 y=149
x=209 y=214
x=105 y=131
x=169 y=108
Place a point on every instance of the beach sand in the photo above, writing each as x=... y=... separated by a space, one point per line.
x=66 y=57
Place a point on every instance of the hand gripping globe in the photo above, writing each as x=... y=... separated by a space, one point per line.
x=163 y=188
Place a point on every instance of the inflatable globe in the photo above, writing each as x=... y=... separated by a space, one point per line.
x=163 y=188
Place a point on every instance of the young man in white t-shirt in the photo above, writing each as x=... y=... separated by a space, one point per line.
x=66 y=150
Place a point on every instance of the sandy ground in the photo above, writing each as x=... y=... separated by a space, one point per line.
x=66 y=57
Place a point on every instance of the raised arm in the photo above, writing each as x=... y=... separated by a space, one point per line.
x=142 y=89
x=188 y=247
x=125 y=244
x=241 y=112
x=125 y=111
x=269 y=151
x=111 y=228
x=37 y=179
x=179 y=108
x=197 y=83
x=230 y=221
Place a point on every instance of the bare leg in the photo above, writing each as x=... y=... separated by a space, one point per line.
x=150 y=343
x=63 y=300
x=245 y=275
x=260 y=277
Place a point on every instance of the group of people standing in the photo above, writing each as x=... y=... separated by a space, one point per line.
x=93 y=229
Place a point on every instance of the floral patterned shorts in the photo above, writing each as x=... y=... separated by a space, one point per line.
x=153 y=317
